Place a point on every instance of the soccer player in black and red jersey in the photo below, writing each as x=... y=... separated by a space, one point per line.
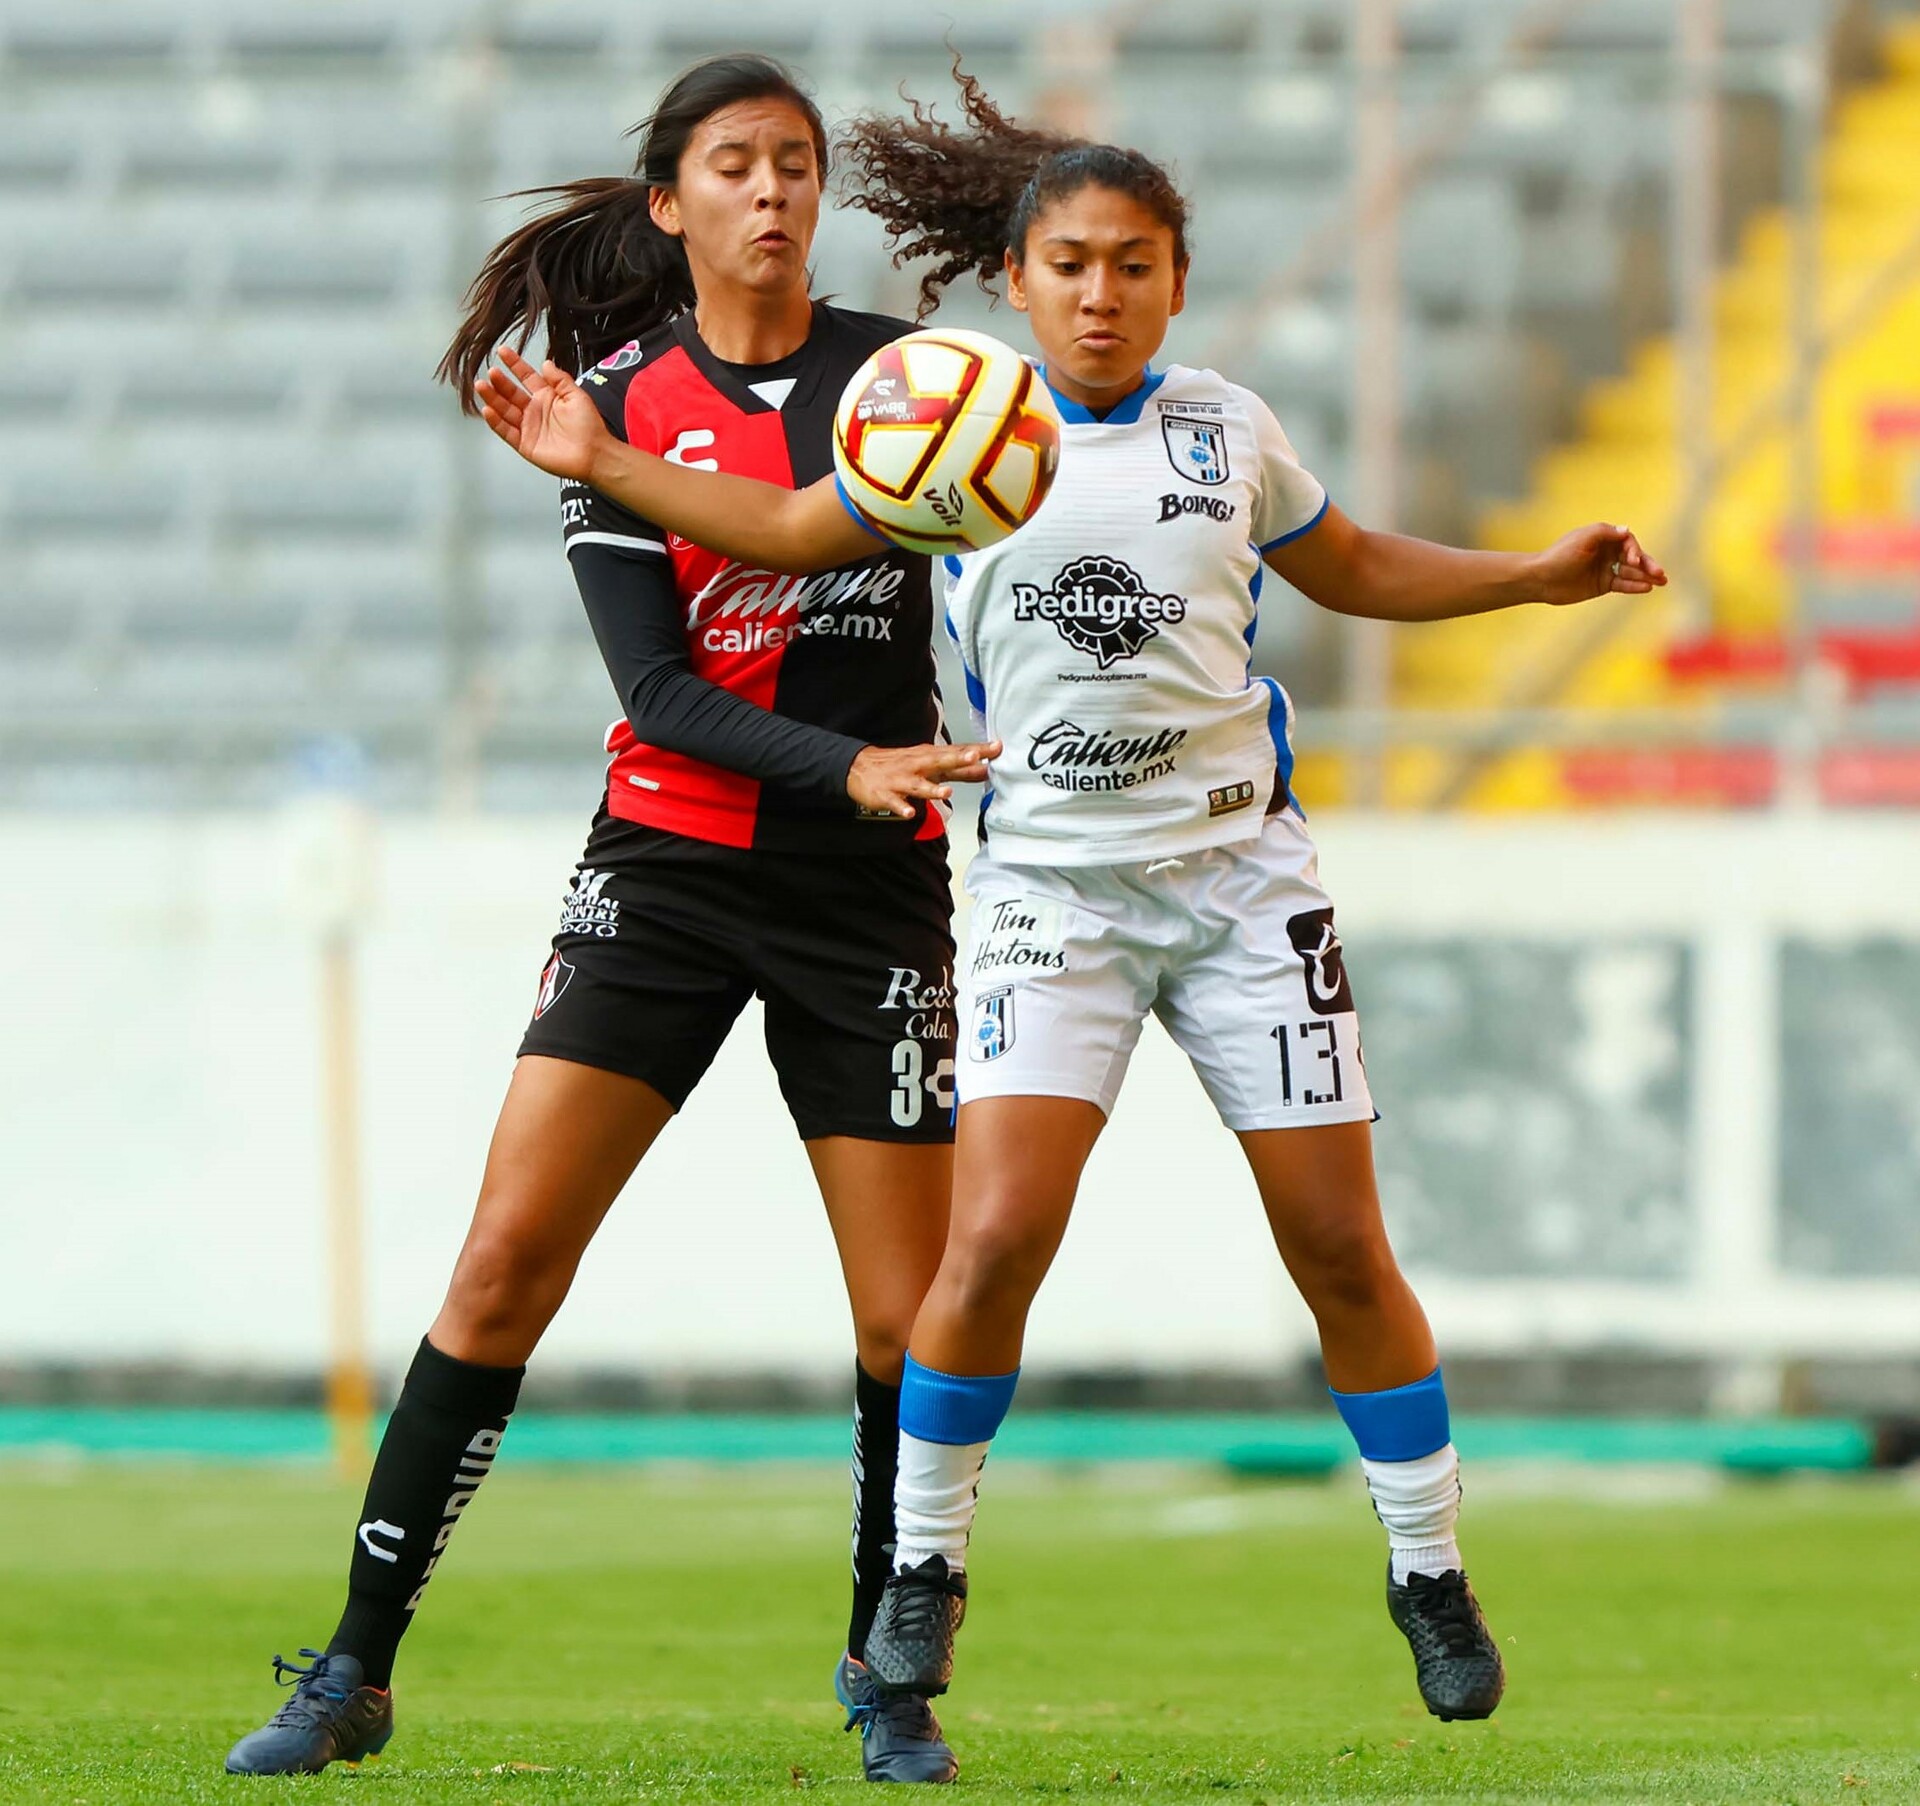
x=772 y=826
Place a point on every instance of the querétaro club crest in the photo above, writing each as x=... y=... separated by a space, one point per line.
x=1196 y=446
x=1100 y=606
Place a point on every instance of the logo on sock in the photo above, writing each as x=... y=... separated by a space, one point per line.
x=474 y=1467
x=380 y=1525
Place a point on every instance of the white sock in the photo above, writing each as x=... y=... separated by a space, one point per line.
x=1419 y=1502
x=933 y=1500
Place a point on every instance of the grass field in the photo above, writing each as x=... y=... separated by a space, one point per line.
x=595 y=1637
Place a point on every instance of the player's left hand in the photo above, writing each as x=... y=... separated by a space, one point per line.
x=1596 y=561
x=543 y=414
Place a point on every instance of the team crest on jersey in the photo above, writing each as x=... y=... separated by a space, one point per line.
x=1196 y=446
x=1100 y=606
x=1314 y=939
x=993 y=1023
x=625 y=358
x=555 y=976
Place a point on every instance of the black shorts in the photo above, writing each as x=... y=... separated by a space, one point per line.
x=663 y=938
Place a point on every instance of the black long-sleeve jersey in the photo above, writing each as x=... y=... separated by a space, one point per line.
x=747 y=693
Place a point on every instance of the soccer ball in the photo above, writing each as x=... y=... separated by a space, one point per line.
x=946 y=441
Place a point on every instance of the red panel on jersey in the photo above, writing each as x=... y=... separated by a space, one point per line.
x=645 y=783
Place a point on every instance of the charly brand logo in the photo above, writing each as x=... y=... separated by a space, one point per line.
x=1100 y=606
x=625 y=358
x=1314 y=939
x=928 y=1003
x=1196 y=445
x=693 y=439
x=1177 y=507
x=993 y=1023
x=1070 y=757
x=555 y=976
x=587 y=909
x=380 y=1527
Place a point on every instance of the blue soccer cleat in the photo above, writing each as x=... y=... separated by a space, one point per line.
x=900 y=1739
x=332 y=1716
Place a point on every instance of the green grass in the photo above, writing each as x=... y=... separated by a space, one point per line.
x=595 y=1637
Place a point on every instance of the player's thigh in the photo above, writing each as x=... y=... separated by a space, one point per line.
x=1262 y=1005
x=567 y=1140
x=887 y=1203
x=647 y=974
x=854 y=957
x=1056 y=979
x=1319 y=1192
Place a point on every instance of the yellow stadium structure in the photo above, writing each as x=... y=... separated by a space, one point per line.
x=1627 y=465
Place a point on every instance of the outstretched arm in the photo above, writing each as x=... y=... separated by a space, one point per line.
x=550 y=421
x=1389 y=577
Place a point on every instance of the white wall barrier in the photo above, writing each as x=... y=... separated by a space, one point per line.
x=1644 y=1082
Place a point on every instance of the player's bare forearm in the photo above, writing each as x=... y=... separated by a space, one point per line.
x=1391 y=577
x=798 y=530
x=551 y=422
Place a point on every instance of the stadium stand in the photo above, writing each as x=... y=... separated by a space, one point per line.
x=240 y=516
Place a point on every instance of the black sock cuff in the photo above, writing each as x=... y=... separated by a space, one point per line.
x=877 y=1401
x=460 y=1388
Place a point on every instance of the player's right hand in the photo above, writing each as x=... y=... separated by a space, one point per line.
x=543 y=414
x=892 y=780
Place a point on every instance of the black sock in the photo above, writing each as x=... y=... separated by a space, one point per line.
x=439 y=1446
x=876 y=1463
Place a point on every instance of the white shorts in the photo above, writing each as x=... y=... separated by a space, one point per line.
x=1232 y=948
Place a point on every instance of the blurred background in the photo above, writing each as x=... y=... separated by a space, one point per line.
x=300 y=718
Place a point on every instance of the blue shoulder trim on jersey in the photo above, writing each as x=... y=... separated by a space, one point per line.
x=846 y=501
x=1277 y=732
x=951 y=565
x=976 y=690
x=1326 y=502
x=1124 y=415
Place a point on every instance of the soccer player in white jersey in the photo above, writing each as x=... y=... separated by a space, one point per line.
x=1142 y=849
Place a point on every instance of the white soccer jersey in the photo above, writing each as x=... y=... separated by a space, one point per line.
x=1108 y=642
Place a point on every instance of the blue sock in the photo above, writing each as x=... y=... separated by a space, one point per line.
x=947 y=1421
x=1413 y=1474
x=1400 y=1424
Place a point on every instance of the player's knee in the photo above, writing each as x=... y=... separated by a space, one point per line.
x=1347 y=1267
x=505 y=1290
x=882 y=1347
x=996 y=1260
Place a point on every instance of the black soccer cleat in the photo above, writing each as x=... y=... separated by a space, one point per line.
x=910 y=1647
x=332 y=1716
x=900 y=1739
x=1454 y=1654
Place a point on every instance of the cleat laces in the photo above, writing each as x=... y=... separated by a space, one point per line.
x=906 y=1713
x=921 y=1609
x=316 y=1691
x=1441 y=1600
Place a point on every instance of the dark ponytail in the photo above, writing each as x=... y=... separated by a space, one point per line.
x=969 y=196
x=594 y=269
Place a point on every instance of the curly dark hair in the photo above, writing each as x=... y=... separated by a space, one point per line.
x=969 y=195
